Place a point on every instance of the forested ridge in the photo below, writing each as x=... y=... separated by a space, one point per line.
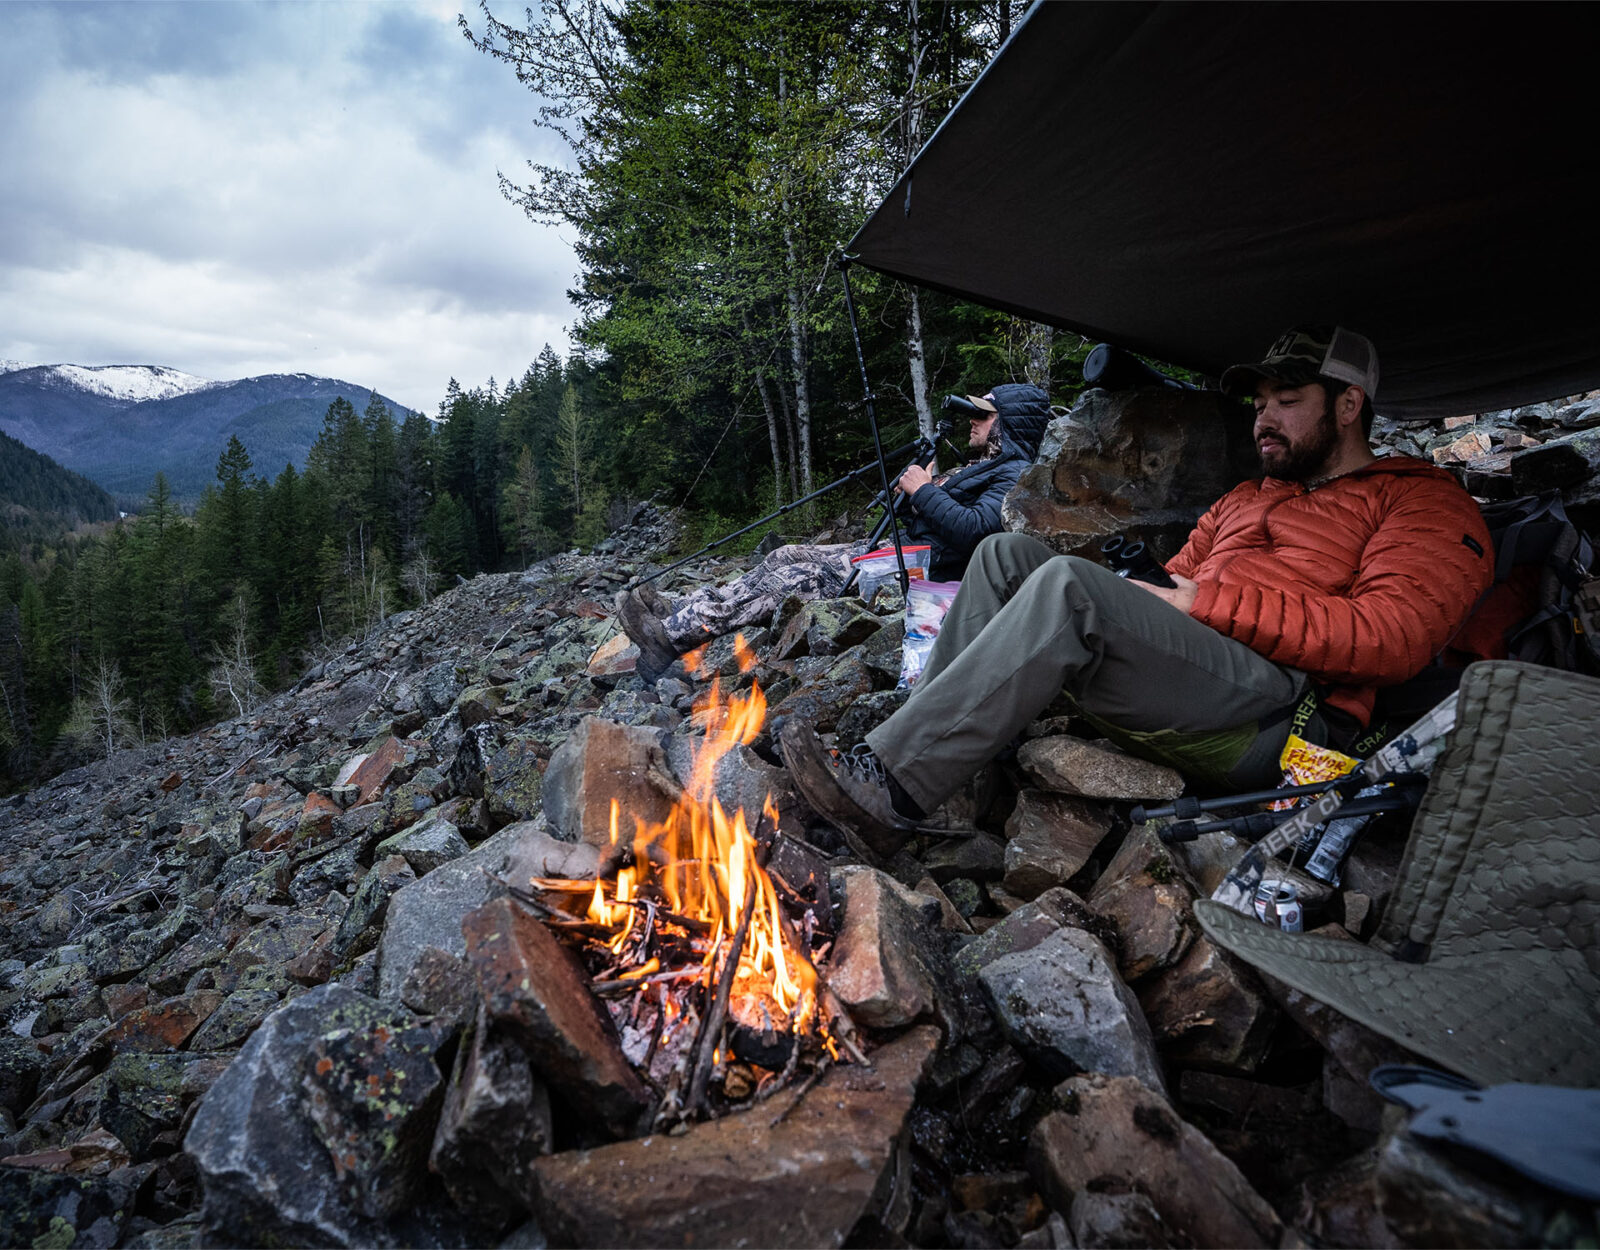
x=716 y=157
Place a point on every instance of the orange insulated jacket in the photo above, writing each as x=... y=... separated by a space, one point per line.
x=1358 y=582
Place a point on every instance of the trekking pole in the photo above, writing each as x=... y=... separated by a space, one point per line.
x=845 y=260
x=854 y=474
x=1414 y=751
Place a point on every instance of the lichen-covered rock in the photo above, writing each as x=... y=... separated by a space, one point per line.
x=267 y=1175
x=425 y=846
x=363 y=919
x=373 y=1093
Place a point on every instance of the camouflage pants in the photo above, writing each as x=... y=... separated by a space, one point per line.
x=809 y=572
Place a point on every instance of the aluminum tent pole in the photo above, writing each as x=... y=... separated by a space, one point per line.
x=845 y=260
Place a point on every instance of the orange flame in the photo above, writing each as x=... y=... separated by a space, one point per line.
x=702 y=862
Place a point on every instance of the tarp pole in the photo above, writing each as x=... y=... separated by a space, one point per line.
x=845 y=260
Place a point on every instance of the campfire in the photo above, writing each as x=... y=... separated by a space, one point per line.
x=705 y=960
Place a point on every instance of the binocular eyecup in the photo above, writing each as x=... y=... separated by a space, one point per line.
x=1133 y=560
x=963 y=405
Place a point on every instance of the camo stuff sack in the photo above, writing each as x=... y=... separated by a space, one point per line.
x=1544 y=604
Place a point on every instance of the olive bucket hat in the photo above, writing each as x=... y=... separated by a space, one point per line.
x=1488 y=957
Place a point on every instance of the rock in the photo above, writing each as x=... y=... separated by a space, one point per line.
x=145 y=1096
x=1208 y=859
x=826 y=627
x=871 y=710
x=539 y=992
x=1114 y=1134
x=441 y=984
x=1552 y=467
x=235 y=1018
x=1050 y=837
x=392 y=764
x=205 y=949
x=978 y=857
x=363 y=920
x=438 y=688
x=425 y=846
x=1145 y=463
x=1115 y=1221
x=114 y=956
x=886 y=963
x=1429 y=1200
x=263 y=954
x=802 y=1180
x=950 y=919
x=20 y=1067
x=495 y=1123
x=428 y=913
x=373 y=1091
x=1062 y=1004
x=742 y=779
x=1072 y=766
x=1209 y=1009
x=47 y=1209
x=478 y=704
x=267 y=1177
x=1029 y=925
x=166 y=1025
x=823 y=700
x=1145 y=893
x=513 y=780
x=1339 y=1207
x=337 y=870
x=598 y=762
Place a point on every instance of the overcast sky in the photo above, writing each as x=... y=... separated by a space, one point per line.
x=242 y=188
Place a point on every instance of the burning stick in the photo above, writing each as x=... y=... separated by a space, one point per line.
x=719 y=1005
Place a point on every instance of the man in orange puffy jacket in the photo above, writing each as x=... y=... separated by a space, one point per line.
x=1332 y=575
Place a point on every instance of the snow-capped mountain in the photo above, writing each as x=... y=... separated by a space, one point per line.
x=121 y=424
x=135 y=383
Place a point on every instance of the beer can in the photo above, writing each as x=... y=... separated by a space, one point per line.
x=1286 y=902
x=1278 y=903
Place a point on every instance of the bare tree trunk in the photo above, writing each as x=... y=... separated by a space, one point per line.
x=786 y=414
x=797 y=328
x=1036 y=354
x=772 y=417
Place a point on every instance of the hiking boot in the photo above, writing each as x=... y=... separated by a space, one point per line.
x=645 y=631
x=656 y=603
x=851 y=790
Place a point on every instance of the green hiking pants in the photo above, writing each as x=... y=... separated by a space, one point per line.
x=1029 y=624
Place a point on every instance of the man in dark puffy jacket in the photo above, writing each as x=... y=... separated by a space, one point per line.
x=1333 y=574
x=951 y=514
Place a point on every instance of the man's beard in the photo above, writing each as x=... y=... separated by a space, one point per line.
x=1307 y=459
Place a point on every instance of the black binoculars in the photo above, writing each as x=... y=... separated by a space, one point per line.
x=1133 y=560
x=963 y=405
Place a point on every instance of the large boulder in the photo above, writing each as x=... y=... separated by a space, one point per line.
x=428 y=912
x=267 y=1173
x=778 y=1175
x=1144 y=463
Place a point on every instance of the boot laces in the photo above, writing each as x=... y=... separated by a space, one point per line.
x=860 y=762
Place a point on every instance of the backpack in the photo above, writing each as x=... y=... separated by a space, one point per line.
x=1544 y=603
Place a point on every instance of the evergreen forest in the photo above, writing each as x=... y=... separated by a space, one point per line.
x=715 y=157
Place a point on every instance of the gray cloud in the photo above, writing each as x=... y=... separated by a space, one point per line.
x=236 y=188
